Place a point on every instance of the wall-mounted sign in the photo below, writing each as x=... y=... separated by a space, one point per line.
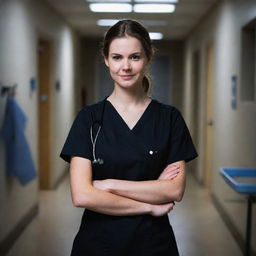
x=32 y=85
x=57 y=85
x=234 y=92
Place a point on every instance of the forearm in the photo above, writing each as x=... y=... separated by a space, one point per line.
x=85 y=194
x=168 y=187
x=108 y=203
x=151 y=191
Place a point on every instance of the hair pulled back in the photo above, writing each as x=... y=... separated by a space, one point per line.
x=134 y=29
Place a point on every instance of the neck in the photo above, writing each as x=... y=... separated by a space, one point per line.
x=126 y=97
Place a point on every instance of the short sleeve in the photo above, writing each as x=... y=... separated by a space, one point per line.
x=78 y=142
x=181 y=146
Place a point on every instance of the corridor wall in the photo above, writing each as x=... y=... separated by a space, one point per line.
x=22 y=23
x=234 y=129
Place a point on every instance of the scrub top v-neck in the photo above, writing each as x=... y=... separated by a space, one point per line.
x=123 y=121
x=159 y=137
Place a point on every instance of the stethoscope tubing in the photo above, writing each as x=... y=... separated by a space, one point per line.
x=94 y=141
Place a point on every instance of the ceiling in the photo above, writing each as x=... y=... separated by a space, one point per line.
x=178 y=25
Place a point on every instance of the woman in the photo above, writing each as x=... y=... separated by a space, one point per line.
x=127 y=157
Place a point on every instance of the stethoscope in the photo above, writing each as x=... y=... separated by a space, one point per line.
x=97 y=161
x=100 y=161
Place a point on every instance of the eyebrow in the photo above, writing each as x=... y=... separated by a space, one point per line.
x=130 y=54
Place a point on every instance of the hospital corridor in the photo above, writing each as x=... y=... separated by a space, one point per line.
x=53 y=69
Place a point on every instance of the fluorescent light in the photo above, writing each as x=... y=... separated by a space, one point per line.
x=154 y=8
x=104 y=1
x=156 y=36
x=157 y=1
x=110 y=7
x=106 y=22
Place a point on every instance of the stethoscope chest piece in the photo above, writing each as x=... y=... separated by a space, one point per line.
x=98 y=161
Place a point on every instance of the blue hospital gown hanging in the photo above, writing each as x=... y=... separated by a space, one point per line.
x=18 y=158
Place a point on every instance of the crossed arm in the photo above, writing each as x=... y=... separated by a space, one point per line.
x=121 y=197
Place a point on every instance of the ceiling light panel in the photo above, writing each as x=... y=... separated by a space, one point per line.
x=154 y=8
x=112 y=1
x=156 y=36
x=110 y=7
x=107 y=22
x=157 y=1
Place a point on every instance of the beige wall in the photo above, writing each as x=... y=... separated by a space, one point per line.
x=22 y=22
x=234 y=129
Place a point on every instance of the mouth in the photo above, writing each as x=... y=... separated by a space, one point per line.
x=126 y=77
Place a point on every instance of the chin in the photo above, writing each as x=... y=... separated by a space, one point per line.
x=128 y=84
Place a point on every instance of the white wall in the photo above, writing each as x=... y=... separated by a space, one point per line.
x=234 y=129
x=22 y=22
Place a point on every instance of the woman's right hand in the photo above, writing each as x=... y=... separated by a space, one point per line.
x=158 y=210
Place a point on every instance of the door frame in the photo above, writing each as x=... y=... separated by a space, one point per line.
x=209 y=115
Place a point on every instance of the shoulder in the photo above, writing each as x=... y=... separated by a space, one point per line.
x=167 y=110
x=92 y=108
x=90 y=112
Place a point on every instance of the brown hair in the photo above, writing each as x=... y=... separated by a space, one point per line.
x=134 y=29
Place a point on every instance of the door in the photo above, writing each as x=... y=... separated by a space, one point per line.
x=44 y=60
x=161 y=83
x=209 y=115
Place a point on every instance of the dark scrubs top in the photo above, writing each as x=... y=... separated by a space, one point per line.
x=159 y=138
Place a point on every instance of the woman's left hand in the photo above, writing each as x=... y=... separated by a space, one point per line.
x=170 y=172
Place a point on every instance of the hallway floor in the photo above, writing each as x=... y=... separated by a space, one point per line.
x=199 y=229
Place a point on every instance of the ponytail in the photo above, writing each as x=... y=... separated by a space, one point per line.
x=147 y=83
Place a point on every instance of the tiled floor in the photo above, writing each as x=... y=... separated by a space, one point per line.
x=198 y=227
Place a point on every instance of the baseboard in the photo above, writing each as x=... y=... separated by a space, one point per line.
x=8 y=242
x=230 y=225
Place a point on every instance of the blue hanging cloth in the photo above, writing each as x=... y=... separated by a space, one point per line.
x=19 y=162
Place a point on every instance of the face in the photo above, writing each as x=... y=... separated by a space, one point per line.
x=127 y=62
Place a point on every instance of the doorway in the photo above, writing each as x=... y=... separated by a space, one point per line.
x=209 y=124
x=161 y=79
x=44 y=66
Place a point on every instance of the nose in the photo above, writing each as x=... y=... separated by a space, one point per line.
x=126 y=65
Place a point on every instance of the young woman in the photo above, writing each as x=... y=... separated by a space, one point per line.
x=127 y=157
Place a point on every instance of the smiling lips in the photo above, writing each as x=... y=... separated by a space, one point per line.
x=126 y=77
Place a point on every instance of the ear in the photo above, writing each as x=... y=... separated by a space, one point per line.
x=106 y=62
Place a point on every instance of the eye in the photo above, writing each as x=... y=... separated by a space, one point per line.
x=116 y=57
x=135 y=57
